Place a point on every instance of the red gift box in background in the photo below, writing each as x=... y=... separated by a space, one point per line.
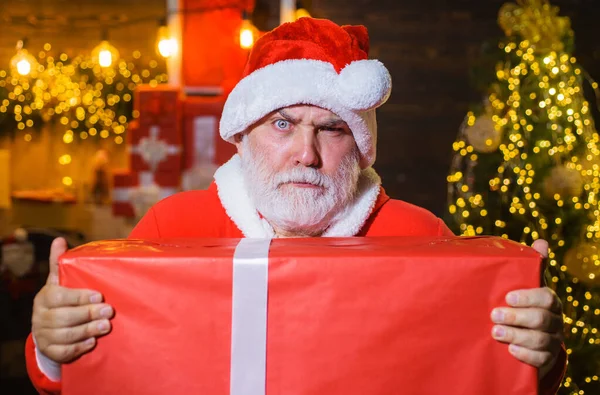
x=155 y=139
x=158 y=105
x=143 y=189
x=202 y=141
x=345 y=316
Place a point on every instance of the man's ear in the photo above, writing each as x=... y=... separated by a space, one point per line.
x=238 y=142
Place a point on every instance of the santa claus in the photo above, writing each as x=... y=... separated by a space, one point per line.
x=303 y=121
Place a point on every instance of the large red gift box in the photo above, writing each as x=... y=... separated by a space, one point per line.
x=350 y=316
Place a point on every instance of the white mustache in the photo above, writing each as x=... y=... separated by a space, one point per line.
x=306 y=175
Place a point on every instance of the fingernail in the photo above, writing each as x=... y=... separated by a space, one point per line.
x=106 y=312
x=103 y=326
x=513 y=349
x=512 y=298
x=498 y=332
x=498 y=316
x=90 y=341
x=96 y=298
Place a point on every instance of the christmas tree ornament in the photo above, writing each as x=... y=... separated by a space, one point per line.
x=564 y=181
x=583 y=262
x=484 y=135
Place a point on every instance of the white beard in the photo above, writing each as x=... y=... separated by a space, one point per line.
x=295 y=210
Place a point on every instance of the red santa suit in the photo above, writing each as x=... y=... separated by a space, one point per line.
x=226 y=210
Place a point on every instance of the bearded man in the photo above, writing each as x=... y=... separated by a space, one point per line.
x=303 y=121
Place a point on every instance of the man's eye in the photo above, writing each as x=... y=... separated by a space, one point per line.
x=337 y=130
x=282 y=124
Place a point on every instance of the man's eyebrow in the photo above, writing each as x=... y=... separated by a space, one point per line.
x=288 y=117
x=332 y=123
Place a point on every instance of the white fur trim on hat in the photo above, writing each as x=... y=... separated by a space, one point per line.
x=353 y=95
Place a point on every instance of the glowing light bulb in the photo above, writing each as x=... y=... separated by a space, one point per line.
x=105 y=54
x=105 y=58
x=23 y=67
x=167 y=45
x=23 y=63
x=248 y=32
x=246 y=38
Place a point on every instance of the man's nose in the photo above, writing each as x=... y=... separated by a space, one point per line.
x=306 y=151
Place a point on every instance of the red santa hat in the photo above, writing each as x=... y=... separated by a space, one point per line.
x=312 y=61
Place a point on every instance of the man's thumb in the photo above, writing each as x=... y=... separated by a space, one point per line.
x=59 y=247
x=541 y=246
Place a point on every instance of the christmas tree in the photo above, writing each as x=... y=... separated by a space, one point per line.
x=527 y=166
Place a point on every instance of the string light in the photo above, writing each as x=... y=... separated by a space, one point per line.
x=76 y=94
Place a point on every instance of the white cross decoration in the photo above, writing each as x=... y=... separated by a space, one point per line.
x=153 y=150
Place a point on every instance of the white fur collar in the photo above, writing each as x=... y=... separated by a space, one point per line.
x=238 y=205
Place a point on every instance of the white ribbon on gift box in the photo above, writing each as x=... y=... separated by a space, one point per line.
x=144 y=194
x=249 y=317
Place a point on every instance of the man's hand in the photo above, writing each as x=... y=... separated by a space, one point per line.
x=533 y=325
x=66 y=322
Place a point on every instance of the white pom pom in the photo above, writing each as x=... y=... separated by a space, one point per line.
x=364 y=84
